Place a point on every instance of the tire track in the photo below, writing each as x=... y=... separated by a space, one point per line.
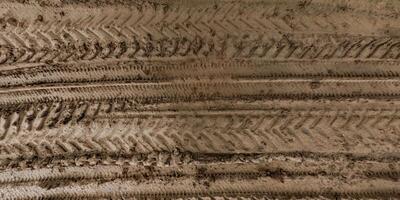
x=306 y=187
x=195 y=90
x=225 y=30
x=52 y=115
x=256 y=47
x=150 y=71
x=382 y=162
x=101 y=128
x=274 y=168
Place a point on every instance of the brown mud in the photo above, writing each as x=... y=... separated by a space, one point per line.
x=199 y=99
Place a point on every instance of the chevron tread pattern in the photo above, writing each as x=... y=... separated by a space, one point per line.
x=275 y=48
x=228 y=30
x=199 y=99
x=47 y=130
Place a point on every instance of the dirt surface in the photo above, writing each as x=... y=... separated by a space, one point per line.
x=199 y=99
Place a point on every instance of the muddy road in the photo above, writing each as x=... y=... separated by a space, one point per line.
x=199 y=99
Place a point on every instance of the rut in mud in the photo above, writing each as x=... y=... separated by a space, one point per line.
x=199 y=99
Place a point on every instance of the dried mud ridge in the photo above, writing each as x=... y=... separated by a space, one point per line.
x=261 y=99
